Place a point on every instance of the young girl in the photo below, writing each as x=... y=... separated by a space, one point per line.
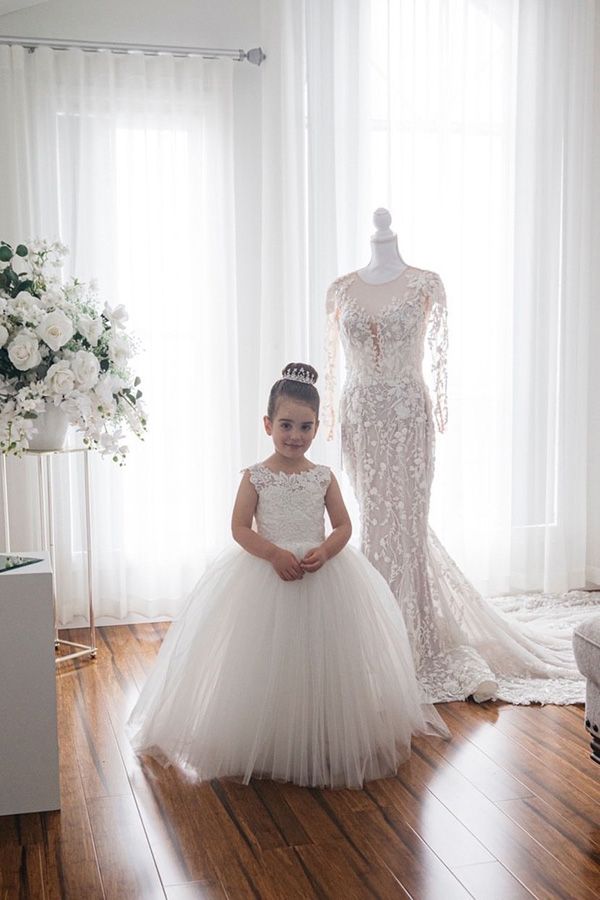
x=290 y=660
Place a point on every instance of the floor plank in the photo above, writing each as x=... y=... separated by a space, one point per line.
x=196 y=890
x=491 y=881
x=124 y=855
x=333 y=873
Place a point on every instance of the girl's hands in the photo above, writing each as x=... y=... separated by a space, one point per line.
x=314 y=559
x=286 y=565
x=289 y=568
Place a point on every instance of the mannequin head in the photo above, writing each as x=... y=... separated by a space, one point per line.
x=382 y=220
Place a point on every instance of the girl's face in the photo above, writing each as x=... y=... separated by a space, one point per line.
x=292 y=428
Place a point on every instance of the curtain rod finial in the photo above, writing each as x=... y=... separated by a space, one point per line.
x=256 y=56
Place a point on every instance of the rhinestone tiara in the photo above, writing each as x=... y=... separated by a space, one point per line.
x=299 y=373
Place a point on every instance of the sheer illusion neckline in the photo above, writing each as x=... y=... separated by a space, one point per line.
x=372 y=316
x=382 y=283
x=385 y=308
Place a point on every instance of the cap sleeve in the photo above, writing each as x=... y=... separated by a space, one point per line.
x=260 y=476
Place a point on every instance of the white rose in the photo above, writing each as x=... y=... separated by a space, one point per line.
x=117 y=316
x=24 y=352
x=90 y=328
x=60 y=379
x=118 y=348
x=86 y=369
x=55 y=329
x=3 y=335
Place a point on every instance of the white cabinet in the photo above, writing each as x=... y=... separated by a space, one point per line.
x=28 y=734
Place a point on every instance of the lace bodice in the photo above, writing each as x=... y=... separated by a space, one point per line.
x=387 y=346
x=291 y=508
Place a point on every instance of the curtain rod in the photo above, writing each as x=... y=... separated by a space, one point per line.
x=254 y=56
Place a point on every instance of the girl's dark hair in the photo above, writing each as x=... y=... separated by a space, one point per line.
x=288 y=386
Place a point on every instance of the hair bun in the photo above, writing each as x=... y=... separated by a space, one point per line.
x=300 y=372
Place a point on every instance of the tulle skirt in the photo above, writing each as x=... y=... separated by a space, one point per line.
x=309 y=681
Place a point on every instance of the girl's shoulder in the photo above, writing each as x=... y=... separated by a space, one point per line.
x=262 y=476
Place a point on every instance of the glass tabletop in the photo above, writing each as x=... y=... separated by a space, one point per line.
x=10 y=561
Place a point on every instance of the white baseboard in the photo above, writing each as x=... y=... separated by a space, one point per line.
x=132 y=619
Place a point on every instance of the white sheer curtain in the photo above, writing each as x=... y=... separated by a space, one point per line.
x=128 y=160
x=471 y=121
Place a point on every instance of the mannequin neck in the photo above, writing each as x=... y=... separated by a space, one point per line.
x=385 y=263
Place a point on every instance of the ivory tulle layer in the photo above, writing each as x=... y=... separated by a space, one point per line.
x=309 y=681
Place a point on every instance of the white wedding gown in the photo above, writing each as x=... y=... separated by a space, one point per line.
x=462 y=645
x=310 y=681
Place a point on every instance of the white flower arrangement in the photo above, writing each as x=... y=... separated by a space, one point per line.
x=58 y=348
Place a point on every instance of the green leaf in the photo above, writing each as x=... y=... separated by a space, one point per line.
x=6 y=253
x=137 y=381
x=21 y=250
x=138 y=395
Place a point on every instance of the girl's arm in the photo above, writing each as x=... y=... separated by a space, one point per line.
x=285 y=563
x=341 y=525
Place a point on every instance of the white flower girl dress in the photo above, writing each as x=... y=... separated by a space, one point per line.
x=310 y=681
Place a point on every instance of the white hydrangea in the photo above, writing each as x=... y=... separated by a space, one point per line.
x=25 y=307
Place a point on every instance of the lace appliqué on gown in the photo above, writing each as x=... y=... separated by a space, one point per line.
x=462 y=644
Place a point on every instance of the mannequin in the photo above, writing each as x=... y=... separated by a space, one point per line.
x=385 y=264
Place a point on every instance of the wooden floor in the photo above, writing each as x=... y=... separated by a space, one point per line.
x=510 y=808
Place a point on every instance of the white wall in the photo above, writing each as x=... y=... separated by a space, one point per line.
x=228 y=24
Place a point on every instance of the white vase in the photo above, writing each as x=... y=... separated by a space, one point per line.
x=52 y=426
